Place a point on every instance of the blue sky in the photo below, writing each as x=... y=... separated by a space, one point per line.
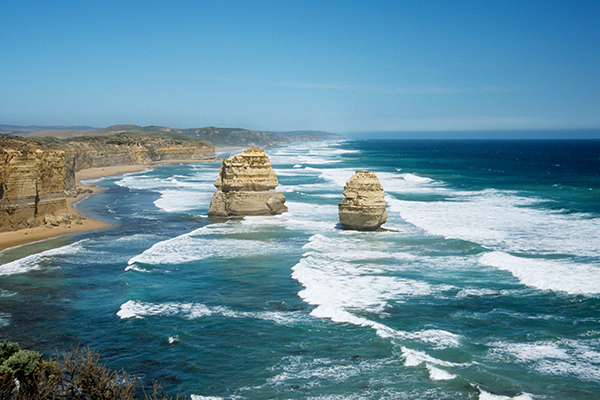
x=339 y=66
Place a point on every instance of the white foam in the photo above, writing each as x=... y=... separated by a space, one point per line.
x=561 y=357
x=198 y=397
x=311 y=372
x=562 y=275
x=200 y=245
x=178 y=193
x=136 y=269
x=413 y=358
x=354 y=248
x=505 y=221
x=483 y=395
x=526 y=352
x=315 y=153
x=337 y=176
x=409 y=183
x=475 y=292
x=141 y=309
x=344 y=275
x=36 y=261
x=313 y=160
x=439 y=338
x=183 y=200
x=437 y=374
x=138 y=309
x=5 y=319
x=334 y=286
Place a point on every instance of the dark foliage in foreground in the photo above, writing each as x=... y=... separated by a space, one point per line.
x=78 y=375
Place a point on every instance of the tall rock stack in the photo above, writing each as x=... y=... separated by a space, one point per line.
x=363 y=209
x=246 y=186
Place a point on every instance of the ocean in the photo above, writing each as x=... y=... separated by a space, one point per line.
x=485 y=286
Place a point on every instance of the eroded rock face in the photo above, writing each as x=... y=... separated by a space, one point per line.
x=35 y=177
x=130 y=150
x=246 y=186
x=32 y=188
x=364 y=207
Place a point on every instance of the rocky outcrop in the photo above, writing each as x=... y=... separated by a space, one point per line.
x=32 y=188
x=246 y=186
x=364 y=207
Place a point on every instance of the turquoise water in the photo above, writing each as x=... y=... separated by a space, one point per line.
x=488 y=287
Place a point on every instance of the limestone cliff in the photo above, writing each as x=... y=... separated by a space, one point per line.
x=364 y=207
x=246 y=186
x=35 y=176
x=31 y=186
x=130 y=149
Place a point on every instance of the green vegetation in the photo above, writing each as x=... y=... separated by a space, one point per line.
x=78 y=375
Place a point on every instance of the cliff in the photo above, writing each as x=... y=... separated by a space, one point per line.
x=32 y=183
x=36 y=176
x=129 y=149
x=246 y=186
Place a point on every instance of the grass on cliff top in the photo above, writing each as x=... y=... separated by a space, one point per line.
x=123 y=138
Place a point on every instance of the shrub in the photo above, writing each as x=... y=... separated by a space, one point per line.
x=7 y=349
x=23 y=363
x=78 y=375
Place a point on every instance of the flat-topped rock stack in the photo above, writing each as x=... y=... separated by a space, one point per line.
x=246 y=186
x=364 y=207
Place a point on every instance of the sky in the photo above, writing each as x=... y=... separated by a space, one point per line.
x=337 y=66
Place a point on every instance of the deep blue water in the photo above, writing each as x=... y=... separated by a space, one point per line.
x=487 y=287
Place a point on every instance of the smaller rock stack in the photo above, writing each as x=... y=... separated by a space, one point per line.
x=363 y=209
x=246 y=186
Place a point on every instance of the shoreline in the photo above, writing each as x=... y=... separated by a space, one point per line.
x=25 y=236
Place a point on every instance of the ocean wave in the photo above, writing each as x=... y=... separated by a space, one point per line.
x=437 y=374
x=346 y=277
x=187 y=248
x=38 y=260
x=183 y=200
x=5 y=319
x=504 y=221
x=404 y=183
x=314 y=371
x=141 y=309
x=483 y=395
x=136 y=268
x=334 y=286
x=562 y=275
x=179 y=192
x=560 y=357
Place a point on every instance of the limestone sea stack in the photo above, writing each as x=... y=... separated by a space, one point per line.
x=246 y=186
x=363 y=209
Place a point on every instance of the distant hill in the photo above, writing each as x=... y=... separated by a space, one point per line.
x=22 y=130
x=235 y=137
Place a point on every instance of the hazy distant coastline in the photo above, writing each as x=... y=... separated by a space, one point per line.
x=516 y=134
x=216 y=135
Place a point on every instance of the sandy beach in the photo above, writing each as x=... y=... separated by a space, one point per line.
x=30 y=235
